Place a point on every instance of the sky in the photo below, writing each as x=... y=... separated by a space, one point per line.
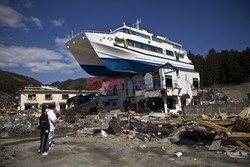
x=33 y=32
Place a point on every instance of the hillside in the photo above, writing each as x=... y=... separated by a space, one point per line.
x=236 y=91
x=11 y=83
x=226 y=67
x=77 y=84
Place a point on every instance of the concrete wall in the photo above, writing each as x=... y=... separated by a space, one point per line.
x=197 y=110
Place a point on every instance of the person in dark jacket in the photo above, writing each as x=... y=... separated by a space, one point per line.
x=44 y=131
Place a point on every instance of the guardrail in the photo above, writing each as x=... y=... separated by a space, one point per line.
x=92 y=31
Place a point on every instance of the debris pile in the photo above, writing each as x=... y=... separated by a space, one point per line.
x=218 y=132
x=18 y=123
x=217 y=96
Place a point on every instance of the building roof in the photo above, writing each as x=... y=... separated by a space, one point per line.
x=49 y=89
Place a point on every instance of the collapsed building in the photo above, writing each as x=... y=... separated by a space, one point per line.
x=164 y=90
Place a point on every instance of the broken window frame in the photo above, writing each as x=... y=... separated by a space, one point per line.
x=31 y=97
x=48 y=97
x=106 y=104
x=196 y=83
x=156 y=81
x=169 y=81
x=65 y=98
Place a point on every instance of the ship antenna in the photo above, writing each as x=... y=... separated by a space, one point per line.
x=137 y=23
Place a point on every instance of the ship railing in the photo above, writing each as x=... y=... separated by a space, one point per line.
x=92 y=31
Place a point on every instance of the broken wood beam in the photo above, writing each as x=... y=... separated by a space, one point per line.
x=238 y=136
x=223 y=115
x=165 y=122
x=241 y=125
x=223 y=122
x=243 y=145
x=214 y=126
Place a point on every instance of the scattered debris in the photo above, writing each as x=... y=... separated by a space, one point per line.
x=237 y=154
x=178 y=154
x=175 y=136
x=220 y=132
x=216 y=143
x=104 y=134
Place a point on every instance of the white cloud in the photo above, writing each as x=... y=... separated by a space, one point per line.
x=39 y=60
x=61 y=47
x=57 y=22
x=37 y=22
x=60 y=42
x=11 y=18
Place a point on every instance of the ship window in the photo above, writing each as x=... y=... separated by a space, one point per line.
x=154 y=38
x=178 y=55
x=169 y=52
x=127 y=31
x=144 y=46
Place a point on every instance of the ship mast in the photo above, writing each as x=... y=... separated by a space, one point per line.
x=137 y=23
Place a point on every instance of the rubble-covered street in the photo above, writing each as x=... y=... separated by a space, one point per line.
x=114 y=151
x=130 y=139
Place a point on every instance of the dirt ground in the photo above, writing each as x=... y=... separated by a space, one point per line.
x=112 y=151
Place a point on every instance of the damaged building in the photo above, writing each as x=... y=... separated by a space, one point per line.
x=33 y=97
x=164 y=90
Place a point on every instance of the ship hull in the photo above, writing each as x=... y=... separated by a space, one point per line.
x=127 y=60
x=83 y=52
x=99 y=55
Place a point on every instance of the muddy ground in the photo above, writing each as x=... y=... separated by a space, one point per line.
x=111 y=151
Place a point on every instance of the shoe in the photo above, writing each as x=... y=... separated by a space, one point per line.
x=53 y=145
x=38 y=150
x=45 y=153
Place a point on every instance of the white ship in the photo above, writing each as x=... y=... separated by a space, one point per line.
x=126 y=50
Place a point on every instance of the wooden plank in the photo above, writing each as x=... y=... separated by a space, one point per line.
x=244 y=113
x=243 y=145
x=229 y=121
x=223 y=115
x=214 y=126
x=241 y=125
x=165 y=122
x=238 y=136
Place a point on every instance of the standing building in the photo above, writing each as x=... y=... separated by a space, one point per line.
x=33 y=97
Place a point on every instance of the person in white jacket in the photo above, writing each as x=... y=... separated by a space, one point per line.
x=52 y=122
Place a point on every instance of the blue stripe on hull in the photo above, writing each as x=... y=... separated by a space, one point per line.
x=116 y=67
x=134 y=66
x=129 y=66
x=99 y=71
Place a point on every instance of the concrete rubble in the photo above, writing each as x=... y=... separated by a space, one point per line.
x=219 y=132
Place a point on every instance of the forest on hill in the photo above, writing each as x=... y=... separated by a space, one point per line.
x=11 y=82
x=223 y=68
